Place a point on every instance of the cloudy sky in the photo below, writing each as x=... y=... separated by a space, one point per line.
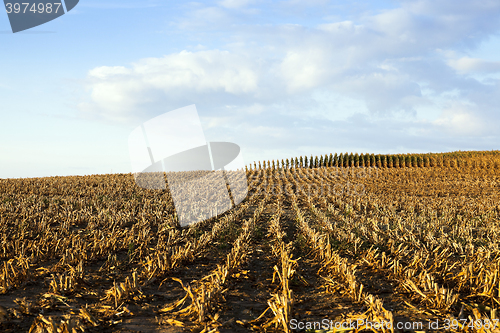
x=279 y=78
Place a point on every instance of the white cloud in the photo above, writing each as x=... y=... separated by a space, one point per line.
x=204 y=18
x=461 y=119
x=340 y=27
x=269 y=80
x=468 y=65
x=235 y=3
x=212 y=70
x=383 y=92
x=106 y=72
x=119 y=91
x=305 y=70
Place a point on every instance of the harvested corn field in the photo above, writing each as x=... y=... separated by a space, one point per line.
x=379 y=243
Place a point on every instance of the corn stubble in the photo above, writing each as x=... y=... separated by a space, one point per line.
x=90 y=253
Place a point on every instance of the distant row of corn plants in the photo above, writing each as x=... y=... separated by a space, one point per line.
x=484 y=159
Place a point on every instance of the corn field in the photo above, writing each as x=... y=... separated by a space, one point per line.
x=392 y=243
x=344 y=160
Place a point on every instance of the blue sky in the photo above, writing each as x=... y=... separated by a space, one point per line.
x=279 y=78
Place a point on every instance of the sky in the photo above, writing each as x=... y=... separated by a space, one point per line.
x=279 y=78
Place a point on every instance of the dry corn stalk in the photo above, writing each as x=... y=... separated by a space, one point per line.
x=338 y=267
x=123 y=290
x=68 y=324
x=210 y=289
